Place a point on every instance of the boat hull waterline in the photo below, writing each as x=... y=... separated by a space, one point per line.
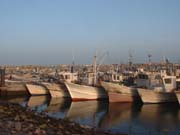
x=56 y=90
x=150 y=96
x=36 y=90
x=84 y=93
x=120 y=93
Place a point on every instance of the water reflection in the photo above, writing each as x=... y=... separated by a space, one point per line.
x=160 y=118
x=117 y=113
x=132 y=119
x=87 y=112
x=58 y=107
x=15 y=100
x=38 y=103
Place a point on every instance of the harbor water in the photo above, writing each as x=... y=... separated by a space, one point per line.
x=131 y=119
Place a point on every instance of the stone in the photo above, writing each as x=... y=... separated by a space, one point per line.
x=18 y=126
x=31 y=125
x=13 y=132
x=67 y=133
x=43 y=126
x=23 y=117
x=39 y=132
x=29 y=133
x=17 y=118
x=60 y=127
x=9 y=124
x=1 y=110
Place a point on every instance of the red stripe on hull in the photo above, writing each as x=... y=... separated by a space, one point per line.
x=82 y=99
x=85 y=99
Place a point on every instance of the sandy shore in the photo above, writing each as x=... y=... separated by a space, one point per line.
x=17 y=120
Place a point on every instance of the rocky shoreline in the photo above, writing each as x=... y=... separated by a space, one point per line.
x=17 y=120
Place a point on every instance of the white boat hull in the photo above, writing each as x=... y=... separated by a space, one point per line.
x=56 y=90
x=178 y=96
x=151 y=96
x=120 y=93
x=113 y=87
x=36 y=89
x=81 y=92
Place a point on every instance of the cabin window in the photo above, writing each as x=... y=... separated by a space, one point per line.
x=141 y=76
x=67 y=76
x=90 y=75
x=117 y=77
x=167 y=81
x=114 y=76
x=61 y=76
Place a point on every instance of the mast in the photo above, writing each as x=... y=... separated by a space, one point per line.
x=149 y=57
x=95 y=69
x=72 y=66
x=130 y=60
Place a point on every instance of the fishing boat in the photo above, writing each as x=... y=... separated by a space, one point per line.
x=57 y=90
x=161 y=94
x=37 y=89
x=83 y=92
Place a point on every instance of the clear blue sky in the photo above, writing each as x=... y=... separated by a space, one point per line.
x=47 y=31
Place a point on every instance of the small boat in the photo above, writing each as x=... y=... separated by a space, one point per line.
x=82 y=92
x=37 y=89
x=57 y=90
x=14 y=88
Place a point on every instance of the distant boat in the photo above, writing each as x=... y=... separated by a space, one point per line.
x=37 y=89
x=120 y=93
x=81 y=92
x=57 y=90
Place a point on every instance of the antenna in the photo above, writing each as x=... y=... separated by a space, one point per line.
x=130 y=58
x=94 y=68
x=149 y=57
x=72 y=66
